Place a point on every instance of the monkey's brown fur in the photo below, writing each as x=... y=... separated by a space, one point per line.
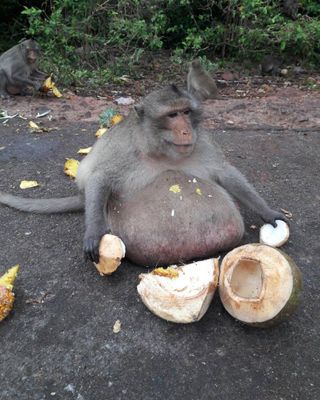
x=18 y=69
x=127 y=183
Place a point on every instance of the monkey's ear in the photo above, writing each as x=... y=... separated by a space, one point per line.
x=139 y=110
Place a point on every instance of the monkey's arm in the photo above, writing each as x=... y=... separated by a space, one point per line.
x=237 y=185
x=96 y=196
x=21 y=79
x=37 y=74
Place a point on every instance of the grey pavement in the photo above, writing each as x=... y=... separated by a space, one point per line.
x=58 y=343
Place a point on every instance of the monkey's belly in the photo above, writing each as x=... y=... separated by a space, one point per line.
x=174 y=219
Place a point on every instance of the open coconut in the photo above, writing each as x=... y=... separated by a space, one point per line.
x=111 y=252
x=274 y=236
x=180 y=294
x=259 y=285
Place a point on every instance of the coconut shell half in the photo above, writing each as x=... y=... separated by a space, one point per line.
x=180 y=294
x=259 y=285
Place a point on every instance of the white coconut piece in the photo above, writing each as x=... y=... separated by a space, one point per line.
x=184 y=298
x=259 y=285
x=111 y=252
x=274 y=236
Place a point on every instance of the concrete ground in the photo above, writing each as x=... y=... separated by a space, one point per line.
x=59 y=343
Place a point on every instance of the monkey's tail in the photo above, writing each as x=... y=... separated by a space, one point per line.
x=43 y=206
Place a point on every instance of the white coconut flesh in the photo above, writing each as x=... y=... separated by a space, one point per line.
x=274 y=236
x=181 y=299
x=256 y=282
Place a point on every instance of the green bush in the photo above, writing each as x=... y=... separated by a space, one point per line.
x=86 y=41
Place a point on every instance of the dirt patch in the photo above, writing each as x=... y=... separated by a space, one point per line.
x=246 y=103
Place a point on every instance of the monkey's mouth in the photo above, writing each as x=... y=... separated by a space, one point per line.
x=181 y=148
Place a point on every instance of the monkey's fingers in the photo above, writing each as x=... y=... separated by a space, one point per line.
x=273 y=216
x=91 y=249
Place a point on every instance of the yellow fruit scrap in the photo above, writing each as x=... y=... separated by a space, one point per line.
x=100 y=132
x=169 y=272
x=71 y=167
x=48 y=85
x=175 y=189
x=84 y=150
x=9 y=277
x=6 y=294
x=116 y=119
x=28 y=184
x=6 y=302
x=56 y=91
x=34 y=127
x=198 y=191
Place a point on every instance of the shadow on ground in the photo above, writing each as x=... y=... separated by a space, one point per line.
x=59 y=343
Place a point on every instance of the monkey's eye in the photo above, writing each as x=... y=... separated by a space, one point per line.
x=173 y=115
x=187 y=112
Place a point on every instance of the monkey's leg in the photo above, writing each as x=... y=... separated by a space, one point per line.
x=3 y=84
x=96 y=197
x=236 y=184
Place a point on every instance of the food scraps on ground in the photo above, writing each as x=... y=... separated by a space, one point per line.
x=117 y=326
x=274 y=236
x=6 y=291
x=184 y=298
x=100 y=132
x=259 y=285
x=111 y=251
x=35 y=128
x=28 y=184
x=71 y=167
x=49 y=85
x=85 y=150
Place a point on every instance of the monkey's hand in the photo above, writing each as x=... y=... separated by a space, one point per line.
x=91 y=245
x=271 y=216
x=37 y=86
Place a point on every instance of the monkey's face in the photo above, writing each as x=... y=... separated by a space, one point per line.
x=178 y=135
x=31 y=51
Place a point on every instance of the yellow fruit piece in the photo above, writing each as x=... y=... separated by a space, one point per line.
x=28 y=184
x=101 y=132
x=56 y=92
x=71 y=167
x=6 y=302
x=34 y=126
x=48 y=84
x=169 y=272
x=6 y=294
x=198 y=191
x=85 y=150
x=9 y=277
x=116 y=119
x=175 y=189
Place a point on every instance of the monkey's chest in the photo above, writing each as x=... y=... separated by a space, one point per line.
x=175 y=218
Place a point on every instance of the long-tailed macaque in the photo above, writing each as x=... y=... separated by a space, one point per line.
x=271 y=65
x=161 y=183
x=290 y=8
x=18 y=69
x=200 y=84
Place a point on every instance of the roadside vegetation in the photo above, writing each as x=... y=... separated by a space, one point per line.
x=89 y=42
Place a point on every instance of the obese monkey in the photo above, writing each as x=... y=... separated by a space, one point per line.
x=161 y=183
x=200 y=84
x=18 y=69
